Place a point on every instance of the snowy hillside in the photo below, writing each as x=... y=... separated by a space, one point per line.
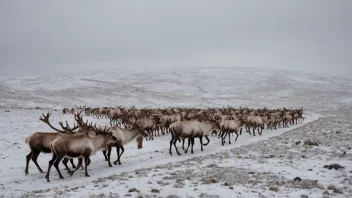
x=182 y=87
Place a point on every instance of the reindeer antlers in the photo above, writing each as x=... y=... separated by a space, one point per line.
x=68 y=128
x=79 y=120
x=105 y=131
x=126 y=118
x=45 y=118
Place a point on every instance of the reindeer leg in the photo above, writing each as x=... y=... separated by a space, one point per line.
x=86 y=159
x=223 y=136
x=87 y=164
x=258 y=130
x=236 y=136
x=148 y=137
x=78 y=166
x=65 y=161
x=189 y=142
x=254 y=130
x=109 y=154
x=152 y=134
x=175 y=141
x=106 y=157
x=34 y=159
x=73 y=164
x=50 y=165
x=248 y=130
x=219 y=134
x=240 y=133
x=229 y=139
x=80 y=160
x=183 y=144
x=28 y=158
x=201 y=143
x=192 y=141
x=56 y=164
x=172 y=139
x=122 y=150
x=118 y=154
x=206 y=137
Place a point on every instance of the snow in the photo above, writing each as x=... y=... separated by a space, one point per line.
x=164 y=87
x=324 y=97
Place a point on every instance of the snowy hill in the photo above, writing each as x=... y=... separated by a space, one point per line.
x=202 y=87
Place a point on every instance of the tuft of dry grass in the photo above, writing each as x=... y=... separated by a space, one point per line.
x=273 y=188
x=334 y=189
x=172 y=196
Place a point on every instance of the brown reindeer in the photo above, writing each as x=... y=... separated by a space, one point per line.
x=40 y=141
x=192 y=129
x=65 y=110
x=232 y=126
x=124 y=136
x=79 y=146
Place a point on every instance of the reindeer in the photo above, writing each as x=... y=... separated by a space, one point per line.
x=232 y=126
x=298 y=114
x=114 y=115
x=192 y=129
x=102 y=112
x=274 y=120
x=79 y=146
x=167 y=120
x=65 y=110
x=287 y=118
x=88 y=111
x=124 y=136
x=72 y=110
x=255 y=121
x=40 y=141
x=265 y=118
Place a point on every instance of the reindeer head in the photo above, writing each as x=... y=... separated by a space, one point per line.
x=108 y=135
x=135 y=122
x=242 y=118
x=214 y=119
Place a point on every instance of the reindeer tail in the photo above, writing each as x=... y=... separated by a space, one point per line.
x=28 y=139
x=172 y=130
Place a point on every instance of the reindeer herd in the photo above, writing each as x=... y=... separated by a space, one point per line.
x=84 y=138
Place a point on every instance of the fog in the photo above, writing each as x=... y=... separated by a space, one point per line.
x=313 y=36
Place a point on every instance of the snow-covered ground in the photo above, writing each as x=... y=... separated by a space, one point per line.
x=251 y=167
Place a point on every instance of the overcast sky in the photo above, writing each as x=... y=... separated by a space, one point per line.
x=311 y=35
